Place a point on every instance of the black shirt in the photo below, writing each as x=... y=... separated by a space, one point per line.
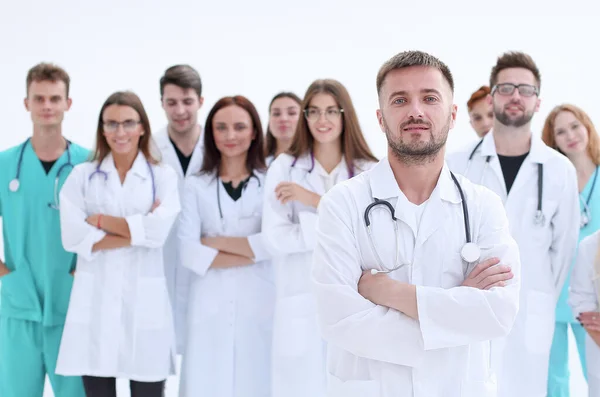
x=235 y=192
x=183 y=159
x=510 y=168
x=47 y=165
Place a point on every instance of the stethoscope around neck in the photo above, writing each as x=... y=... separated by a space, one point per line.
x=312 y=165
x=539 y=218
x=15 y=183
x=586 y=213
x=98 y=171
x=246 y=182
x=470 y=252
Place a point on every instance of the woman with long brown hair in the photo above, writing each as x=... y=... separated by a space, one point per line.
x=328 y=148
x=570 y=130
x=116 y=212
x=284 y=112
x=230 y=303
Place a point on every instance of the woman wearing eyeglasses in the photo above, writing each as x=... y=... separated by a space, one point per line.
x=232 y=293
x=116 y=212
x=328 y=148
x=284 y=112
x=570 y=130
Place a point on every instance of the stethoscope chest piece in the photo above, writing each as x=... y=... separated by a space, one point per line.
x=14 y=185
x=470 y=252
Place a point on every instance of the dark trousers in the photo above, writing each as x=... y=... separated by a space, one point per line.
x=107 y=387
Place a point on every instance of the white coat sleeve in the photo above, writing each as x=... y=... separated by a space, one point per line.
x=565 y=231
x=280 y=234
x=582 y=294
x=193 y=254
x=259 y=249
x=77 y=235
x=151 y=230
x=348 y=320
x=463 y=315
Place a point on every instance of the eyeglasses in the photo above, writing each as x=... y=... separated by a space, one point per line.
x=113 y=126
x=313 y=114
x=506 y=89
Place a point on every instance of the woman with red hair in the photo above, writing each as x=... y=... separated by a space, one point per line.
x=481 y=115
x=569 y=130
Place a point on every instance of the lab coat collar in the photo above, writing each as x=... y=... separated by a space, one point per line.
x=164 y=142
x=538 y=152
x=384 y=185
x=138 y=168
x=304 y=162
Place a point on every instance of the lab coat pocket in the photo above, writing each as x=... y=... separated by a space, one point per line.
x=487 y=388
x=294 y=322
x=540 y=322
x=82 y=294
x=152 y=302
x=353 y=388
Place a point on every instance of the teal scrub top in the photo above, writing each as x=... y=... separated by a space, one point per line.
x=564 y=313
x=39 y=284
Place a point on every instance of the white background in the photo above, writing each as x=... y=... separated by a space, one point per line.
x=257 y=48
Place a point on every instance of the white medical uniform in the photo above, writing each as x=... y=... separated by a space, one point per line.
x=178 y=277
x=230 y=313
x=119 y=323
x=376 y=351
x=546 y=253
x=298 y=349
x=583 y=297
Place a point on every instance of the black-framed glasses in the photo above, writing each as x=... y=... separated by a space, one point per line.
x=128 y=125
x=506 y=89
x=331 y=114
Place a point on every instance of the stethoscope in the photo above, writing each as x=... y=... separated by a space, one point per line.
x=15 y=184
x=252 y=175
x=104 y=174
x=586 y=214
x=312 y=165
x=539 y=219
x=470 y=252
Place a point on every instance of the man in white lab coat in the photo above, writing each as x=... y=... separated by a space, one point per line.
x=538 y=187
x=181 y=145
x=421 y=330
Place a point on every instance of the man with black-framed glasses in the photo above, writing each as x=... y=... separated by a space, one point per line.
x=539 y=189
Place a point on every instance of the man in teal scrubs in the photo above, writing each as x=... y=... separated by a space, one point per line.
x=36 y=278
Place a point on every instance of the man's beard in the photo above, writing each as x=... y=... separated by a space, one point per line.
x=505 y=119
x=416 y=153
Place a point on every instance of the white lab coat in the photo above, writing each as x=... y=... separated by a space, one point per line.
x=178 y=277
x=546 y=254
x=230 y=313
x=583 y=297
x=119 y=322
x=375 y=351
x=298 y=350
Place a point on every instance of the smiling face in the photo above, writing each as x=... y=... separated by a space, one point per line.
x=233 y=131
x=515 y=110
x=181 y=106
x=570 y=134
x=122 y=129
x=416 y=112
x=324 y=119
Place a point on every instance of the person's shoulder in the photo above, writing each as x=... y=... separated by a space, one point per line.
x=284 y=160
x=11 y=152
x=479 y=194
x=79 y=154
x=558 y=161
x=355 y=190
